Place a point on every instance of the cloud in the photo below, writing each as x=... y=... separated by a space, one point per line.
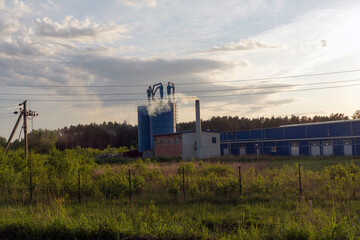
x=10 y=17
x=263 y=107
x=135 y=70
x=323 y=43
x=138 y=3
x=72 y=28
x=50 y=5
x=243 y=45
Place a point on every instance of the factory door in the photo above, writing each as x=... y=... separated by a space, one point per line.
x=348 y=148
x=242 y=150
x=295 y=149
x=315 y=149
x=328 y=149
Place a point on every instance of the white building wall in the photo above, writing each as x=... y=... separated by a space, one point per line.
x=188 y=144
x=209 y=149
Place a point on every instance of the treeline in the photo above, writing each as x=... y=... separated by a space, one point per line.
x=236 y=123
x=116 y=135
x=97 y=136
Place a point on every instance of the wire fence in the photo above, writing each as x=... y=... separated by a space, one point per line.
x=218 y=182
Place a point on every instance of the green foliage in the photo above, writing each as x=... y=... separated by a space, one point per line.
x=189 y=168
x=173 y=184
x=269 y=207
x=42 y=140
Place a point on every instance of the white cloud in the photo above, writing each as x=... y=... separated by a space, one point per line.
x=268 y=104
x=10 y=17
x=244 y=45
x=323 y=43
x=50 y=5
x=138 y=3
x=72 y=28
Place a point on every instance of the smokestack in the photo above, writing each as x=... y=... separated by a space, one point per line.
x=198 y=129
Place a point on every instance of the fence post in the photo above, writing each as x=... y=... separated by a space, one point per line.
x=240 y=180
x=183 y=173
x=300 y=190
x=79 y=186
x=30 y=186
x=130 y=186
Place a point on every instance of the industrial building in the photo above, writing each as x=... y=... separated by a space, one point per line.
x=157 y=116
x=184 y=145
x=157 y=129
x=158 y=137
x=340 y=138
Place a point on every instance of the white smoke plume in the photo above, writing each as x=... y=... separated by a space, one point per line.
x=157 y=107
x=183 y=98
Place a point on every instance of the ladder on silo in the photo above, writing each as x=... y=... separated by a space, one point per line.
x=176 y=117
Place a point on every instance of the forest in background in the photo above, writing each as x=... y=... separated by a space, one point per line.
x=116 y=135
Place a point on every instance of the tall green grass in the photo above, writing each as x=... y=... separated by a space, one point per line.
x=269 y=207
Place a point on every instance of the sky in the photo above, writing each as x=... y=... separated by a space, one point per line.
x=85 y=61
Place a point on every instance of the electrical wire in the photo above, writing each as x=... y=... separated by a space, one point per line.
x=8 y=116
x=203 y=96
x=274 y=78
x=5 y=114
x=189 y=83
x=10 y=106
x=185 y=92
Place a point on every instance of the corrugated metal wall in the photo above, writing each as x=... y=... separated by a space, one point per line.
x=328 y=138
x=163 y=123
x=143 y=129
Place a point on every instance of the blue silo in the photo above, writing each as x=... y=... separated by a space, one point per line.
x=162 y=123
x=143 y=129
x=158 y=117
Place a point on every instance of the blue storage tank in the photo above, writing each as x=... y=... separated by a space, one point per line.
x=163 y=123
x=143 y=129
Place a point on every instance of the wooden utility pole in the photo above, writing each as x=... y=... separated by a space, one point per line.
x=25 y=128
x=24 y=113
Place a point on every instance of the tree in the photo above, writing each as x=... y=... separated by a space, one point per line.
x=356 y=115
x=42 y=140
x=3 y=141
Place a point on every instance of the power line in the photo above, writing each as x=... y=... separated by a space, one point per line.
x=274 y=78
x=7 y=116
x=4 y=114
x=205 y=96
x=271 y=92
x=194 y=91
x=189 y=83
x=10 y=106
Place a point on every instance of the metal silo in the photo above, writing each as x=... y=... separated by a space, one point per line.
x=162 y=123
x=143 y=129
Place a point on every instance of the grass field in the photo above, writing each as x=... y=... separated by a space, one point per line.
x=269 y=206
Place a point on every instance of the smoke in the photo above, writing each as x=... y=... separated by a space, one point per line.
x=183 y=98
x=157 y=107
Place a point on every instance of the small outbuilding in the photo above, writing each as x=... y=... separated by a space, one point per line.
x=184 y=145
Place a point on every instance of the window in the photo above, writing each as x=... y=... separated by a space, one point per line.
x=213 y=140
x=273 y=149
x=171 y=141
x=164 y=141
x=158 y=141
x=177 y=140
